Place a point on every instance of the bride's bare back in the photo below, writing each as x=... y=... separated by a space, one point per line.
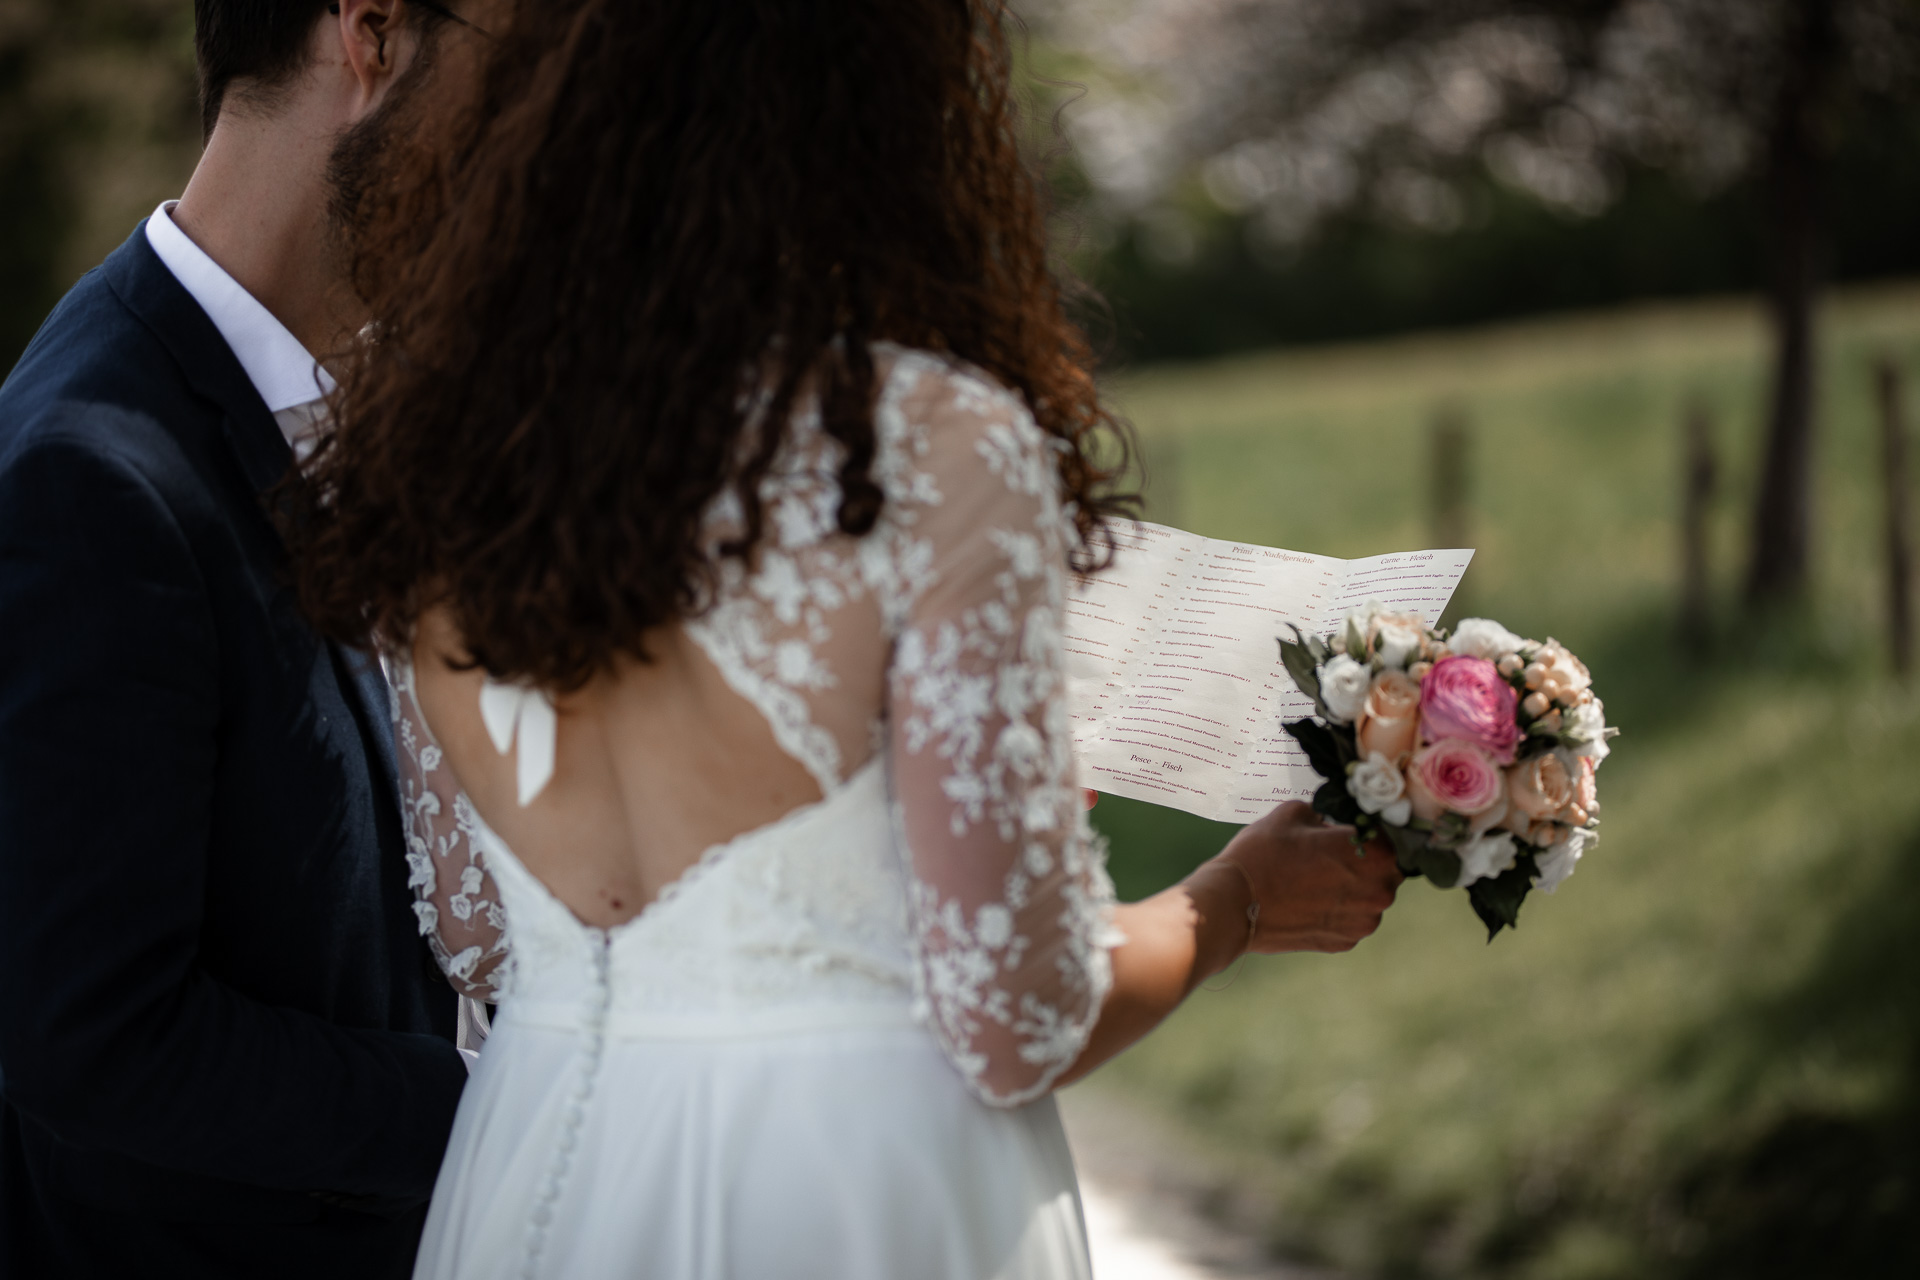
x=655 y=764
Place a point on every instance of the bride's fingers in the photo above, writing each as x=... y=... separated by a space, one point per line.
x=1089 y=796
x=1292 y=815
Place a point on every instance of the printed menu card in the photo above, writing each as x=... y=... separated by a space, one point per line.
x=1175 y=683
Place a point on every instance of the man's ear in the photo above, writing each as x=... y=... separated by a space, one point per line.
x=368 y=38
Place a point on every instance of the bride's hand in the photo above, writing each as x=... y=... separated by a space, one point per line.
x=1315 y=890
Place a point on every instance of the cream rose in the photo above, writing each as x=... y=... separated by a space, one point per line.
x=1390 y=720
x=1343 y=687
x=1540 y=786
x=1483 y=638
x=1396 y=638
x=1485 y=856
x=1557 y=863
x=1377 y=786
x=1585 y=725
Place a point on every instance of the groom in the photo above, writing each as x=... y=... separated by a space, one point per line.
x=224 y=1049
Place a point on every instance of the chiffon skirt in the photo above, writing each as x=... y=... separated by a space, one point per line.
x=847 y=1152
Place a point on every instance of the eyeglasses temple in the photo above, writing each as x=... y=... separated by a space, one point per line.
x=431 y=7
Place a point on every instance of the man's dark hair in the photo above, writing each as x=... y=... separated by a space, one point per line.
x=262 y=41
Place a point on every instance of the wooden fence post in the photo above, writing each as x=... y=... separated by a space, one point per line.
x=1701 y=475
x=1893 y=458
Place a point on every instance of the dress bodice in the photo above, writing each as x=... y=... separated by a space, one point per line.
x=801 y=921
x=917 y=672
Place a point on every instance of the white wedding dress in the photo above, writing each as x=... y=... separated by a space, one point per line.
x=827 y=1050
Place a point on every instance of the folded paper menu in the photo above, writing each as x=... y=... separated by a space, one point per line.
x=1175 y=683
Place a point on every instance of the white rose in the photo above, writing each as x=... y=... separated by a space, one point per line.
x=1360 y=619
x=1395 y=642
x=1484 y=857
x=1557 y=863
x=1343 y=687
x=1377 y=786
x=1483 y=638
x=1586 y=726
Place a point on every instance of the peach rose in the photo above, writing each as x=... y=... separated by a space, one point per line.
x=1586 y=796
x=1544 y=833
x=1540 y=786
x=1454 y=776
x=1391 y=716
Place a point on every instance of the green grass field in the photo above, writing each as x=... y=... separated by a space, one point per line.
x=1698 y=1057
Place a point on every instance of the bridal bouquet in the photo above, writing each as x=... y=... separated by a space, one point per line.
x=1472 y=753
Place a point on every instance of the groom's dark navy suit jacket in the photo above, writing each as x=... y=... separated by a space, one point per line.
x=224 y=1050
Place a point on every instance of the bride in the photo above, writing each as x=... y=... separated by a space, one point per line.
x=713 y=485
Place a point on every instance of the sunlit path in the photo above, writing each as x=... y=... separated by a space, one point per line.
x=1142 y=1187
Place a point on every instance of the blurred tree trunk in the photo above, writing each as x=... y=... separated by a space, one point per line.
x=35 y=209
x=1701 y=472
x=1893 y=460
x=1796 y=176
x=98 y=123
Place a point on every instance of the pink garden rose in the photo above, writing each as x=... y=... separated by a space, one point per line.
x=1467 y=699
x=1454 y=775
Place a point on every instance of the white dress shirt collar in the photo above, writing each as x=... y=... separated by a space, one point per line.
x=288 y=378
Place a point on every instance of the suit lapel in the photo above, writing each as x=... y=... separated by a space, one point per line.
x=141 y=281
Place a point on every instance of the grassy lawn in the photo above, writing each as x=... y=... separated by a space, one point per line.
x=1697 y=1057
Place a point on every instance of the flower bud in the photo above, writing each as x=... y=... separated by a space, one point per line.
x=1419 y=670
x=1536 y=675
x=1536 y=704
x=1510 y=665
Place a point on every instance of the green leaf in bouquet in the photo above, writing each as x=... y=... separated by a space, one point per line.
x=1333 y=800
x=1408 y=844
x=1497 y=900
x=1442 y=866
x=1322 y=748
x=1449 y=831
x=1356 y=643
x=1301 y=666
x=1316 y=648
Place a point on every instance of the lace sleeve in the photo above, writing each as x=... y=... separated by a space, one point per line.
x=1011 y=901
x=454 y=897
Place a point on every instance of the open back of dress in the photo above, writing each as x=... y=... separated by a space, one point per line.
x=812 y=1015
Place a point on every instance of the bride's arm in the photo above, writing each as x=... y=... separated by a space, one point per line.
x=1011 y=904
x=1028 y=973
x=1314 y=893
x=454 y=896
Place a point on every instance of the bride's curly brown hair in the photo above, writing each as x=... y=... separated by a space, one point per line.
x=646 y=206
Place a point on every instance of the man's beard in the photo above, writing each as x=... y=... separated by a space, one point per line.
x=379 y=171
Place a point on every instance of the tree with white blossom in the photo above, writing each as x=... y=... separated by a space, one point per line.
x=1295 y=111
